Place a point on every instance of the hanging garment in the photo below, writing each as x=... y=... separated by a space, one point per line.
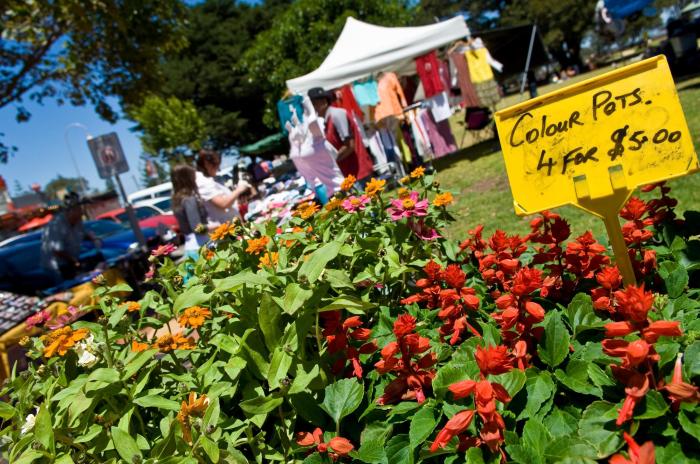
x=488 y=92
x=391 y=97
x=344 y=98
x=314 y=159
x=376 y=148
x=476 y=118
x=428 y=68
x=420 y=137
x=441 y=138
x=444 y=71
x=287 y=108
x=480 y=61
x=440 y=106
x=408 y=149
x=366 y=92
x=409 y=84
x=466 y=87
x=340 y=127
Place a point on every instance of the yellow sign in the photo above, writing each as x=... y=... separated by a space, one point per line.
x=613 y=132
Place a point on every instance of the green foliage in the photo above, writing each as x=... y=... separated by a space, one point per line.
x=60 y=185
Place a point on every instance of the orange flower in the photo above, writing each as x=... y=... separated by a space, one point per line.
x=347 y=183
x=403 y=193
x=404 y=180
x=194 y=316
x=210 y=255
x=137 y=347
x=418 y=172
x=333 y=203
x=269 y=259
x=166 y=343
x=61 y=340
x=374 y=186
x=192 y=407
x=443 y=199
x=306 y=209
x=133 y=306
x=222 y=231
x=257 y=245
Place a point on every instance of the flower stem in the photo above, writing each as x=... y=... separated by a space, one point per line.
x=108 y=350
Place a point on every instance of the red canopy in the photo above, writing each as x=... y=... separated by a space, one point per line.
x=36 y=223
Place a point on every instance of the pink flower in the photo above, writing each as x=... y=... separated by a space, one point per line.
x=72 y=315
x=39 y=318
x=407 y=207
x=353 y=203
x=151 y=272
x=164 y=250
x=422 y=231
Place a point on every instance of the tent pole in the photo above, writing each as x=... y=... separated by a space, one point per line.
x=529 y=56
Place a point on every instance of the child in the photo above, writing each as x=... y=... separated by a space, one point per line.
x=188 y=209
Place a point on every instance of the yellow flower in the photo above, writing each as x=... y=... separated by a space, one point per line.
x=257 y=245
x=403 y=192
x=133 y=306
x=418 y=172
x=194 y=316
x=405 y=180
x=333 y=203
x=137 y=347
x=61 y=340
x=192 y=407
x=348 y=182
x=374 y=186
x=443 y=199
x=306 y=209
x=269 y=259
x=167 y=342
x=222 y=231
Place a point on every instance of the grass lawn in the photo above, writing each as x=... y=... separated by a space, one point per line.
x=477 y=177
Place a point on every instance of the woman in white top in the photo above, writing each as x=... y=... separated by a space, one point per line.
x=219 y=201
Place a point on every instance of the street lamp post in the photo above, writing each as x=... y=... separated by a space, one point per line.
x=83 y=188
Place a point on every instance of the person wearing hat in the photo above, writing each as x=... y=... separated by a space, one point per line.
x=61 y=240
x=343 y=133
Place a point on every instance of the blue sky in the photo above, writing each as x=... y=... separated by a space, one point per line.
x=42 y=153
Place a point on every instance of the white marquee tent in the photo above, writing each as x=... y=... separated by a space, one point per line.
x=363 y=49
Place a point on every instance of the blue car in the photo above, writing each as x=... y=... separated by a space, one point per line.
x=20 y=271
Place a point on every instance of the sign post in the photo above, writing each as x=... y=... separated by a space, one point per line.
x=591 y=144
x=110 y=161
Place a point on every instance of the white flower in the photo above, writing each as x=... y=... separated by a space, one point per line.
x=86 y=352
x=28 y=423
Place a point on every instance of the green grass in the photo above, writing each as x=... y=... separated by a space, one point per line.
x=477 y=177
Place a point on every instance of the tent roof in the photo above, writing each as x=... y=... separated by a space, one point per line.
x=363 y=49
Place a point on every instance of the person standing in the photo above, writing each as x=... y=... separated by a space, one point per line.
x=342 y=132
x=188 y=208
x=219 y=201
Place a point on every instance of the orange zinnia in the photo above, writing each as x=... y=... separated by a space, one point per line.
x=333 y=203
x=347 y=183
x=403 y=193
x=443 y=199
x=166 y=343
x=374 y=186
x=404 y=180
x=133 y=306
x=137 y=347
x=210 y=255
x=194 y=316
x=192 y=407
x=257 y=245
x=61 y=340
x=269 y=259
x=306 y=209
x=222 y=231
x=418 y=172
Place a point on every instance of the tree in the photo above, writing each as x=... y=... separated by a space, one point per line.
x=19 y=189
x=208 y=71
x=84 y=51
x=109 y=185
x=303 y=35
x=170 y=128
x=62 y=184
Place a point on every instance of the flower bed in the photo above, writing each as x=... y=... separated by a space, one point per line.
x=359 y=333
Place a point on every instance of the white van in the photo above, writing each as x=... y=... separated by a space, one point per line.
x=159 y=191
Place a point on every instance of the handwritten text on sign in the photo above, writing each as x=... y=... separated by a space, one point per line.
x=629 y=117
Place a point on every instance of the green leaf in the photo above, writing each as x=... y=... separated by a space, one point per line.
x=104 y=374
x=261 y=404
x=193 y=296
x=539 y=389
x=569 y=447
x=237 y=281
x=652 y=406
x=210 y=448
x=398 y=450
x=125 y=445
x=294 y=298
x=28 y=457
x=451 y=373
x=279 y=367
x=137 y=362
x=338 y=279
x=690 y=426
x=120 y=288
x=317 y=261
x=576 y=378
x=6 y=410
x=597 y=425
x=371 y=451
x=350 y=303
x=691 y=361
x=422 y=425
x=43 y=428
x=554 y=346
x=64 y=459
x=561 y=423
x=269 y=316
x=303 y=379
x=117 y=315
x=513 y=381
x=599 y=377
x=675 y=278
x=535 y=439
x=157 y=401
x=342 y=398
x=581 y=315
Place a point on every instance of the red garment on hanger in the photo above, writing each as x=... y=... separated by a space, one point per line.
x=428 y=68
x=358 y=163
x=344 y=98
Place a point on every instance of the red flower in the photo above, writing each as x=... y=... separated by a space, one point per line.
x=634 y=210
x=636 y=389
x=633 y=303
x=455 y=426
x=618 y=329
x=609 y=278
x=633 y=353
x=493 y=360
x=638 y=454
x=340 y=337
x=678 y=390
x=404 y=325
x=661 y=328
x=454 y=276
x=526 y=281
x=584 y=256
x=339 y=446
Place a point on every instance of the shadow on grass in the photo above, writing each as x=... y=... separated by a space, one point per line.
x=473 y=152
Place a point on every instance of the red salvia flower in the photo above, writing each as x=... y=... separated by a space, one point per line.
x=643 y=454
x=633 y=303
x=342 y=338
x=585 y=256
x=493 y=360
x=678 y=390
x=455 y=426
x=337 y=446
x=516 y=310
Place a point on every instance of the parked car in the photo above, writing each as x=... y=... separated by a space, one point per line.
x=159 y=191
x=148 y=216
x=163 y=204
x=20 y=271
